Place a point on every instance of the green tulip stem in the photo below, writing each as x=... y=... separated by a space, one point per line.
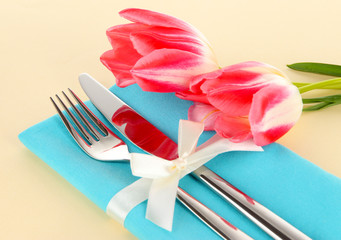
x=334 y=83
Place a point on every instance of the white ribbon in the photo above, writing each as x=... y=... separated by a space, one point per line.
x=160 y=177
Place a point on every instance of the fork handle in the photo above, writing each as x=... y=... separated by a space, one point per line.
x=222 y=227
x=272 y=224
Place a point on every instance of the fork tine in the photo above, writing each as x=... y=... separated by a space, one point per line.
x=89 y=113
x=106 y=148
x=61 y=115
x=82 y=118
x=85 y=145
x=79 y=126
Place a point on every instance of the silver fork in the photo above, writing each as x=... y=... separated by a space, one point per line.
x=102 y=144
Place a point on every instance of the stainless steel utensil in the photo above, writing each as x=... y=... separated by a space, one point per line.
x=102 y=144
x=112 y=107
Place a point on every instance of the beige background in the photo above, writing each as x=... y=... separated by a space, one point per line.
x=44 y=45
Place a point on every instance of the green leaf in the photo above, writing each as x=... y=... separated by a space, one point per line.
x=327 y=99
x=320 y=68
x=321 y=102
x=319 y=106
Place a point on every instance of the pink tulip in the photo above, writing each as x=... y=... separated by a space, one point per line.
x=158 y=52
x=245 y=100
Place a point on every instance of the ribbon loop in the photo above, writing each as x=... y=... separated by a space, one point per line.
x=160 y=177
x=189 y=133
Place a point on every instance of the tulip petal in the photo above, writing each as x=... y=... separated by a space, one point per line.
x=236 y=129
x=118 y=63
x=233 y=79
x=159 y=37
x=196 y=82
x=274 y=110
x=233 y=102
x=123 y=56
x=241 y=74
x=169 y=70
x=258 y=67
x=200 y=112
x=151 y=18
x=231 y=89
x=156 y=19
x=119 y=36
x=189 y=96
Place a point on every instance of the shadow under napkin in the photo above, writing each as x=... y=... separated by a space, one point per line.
x=295 y=189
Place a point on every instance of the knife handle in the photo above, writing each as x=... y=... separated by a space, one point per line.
x=272 y=224
x=218 y=224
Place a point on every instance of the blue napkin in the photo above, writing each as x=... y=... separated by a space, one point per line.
x=292 y=187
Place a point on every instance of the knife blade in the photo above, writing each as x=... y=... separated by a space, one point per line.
x=146 y=136
x=129 y=123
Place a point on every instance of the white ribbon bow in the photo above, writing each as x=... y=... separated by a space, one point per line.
x=160 y=177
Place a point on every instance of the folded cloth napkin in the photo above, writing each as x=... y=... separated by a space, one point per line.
x=292 y=187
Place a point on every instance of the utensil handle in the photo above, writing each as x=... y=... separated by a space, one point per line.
x=222 y=227
x=272 y=224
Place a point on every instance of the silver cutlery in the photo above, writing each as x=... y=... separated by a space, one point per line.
x=102 y=144
x=112 y=107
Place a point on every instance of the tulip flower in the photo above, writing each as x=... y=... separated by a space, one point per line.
x=158 y=52
x=243 y=101
x=164 y=54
